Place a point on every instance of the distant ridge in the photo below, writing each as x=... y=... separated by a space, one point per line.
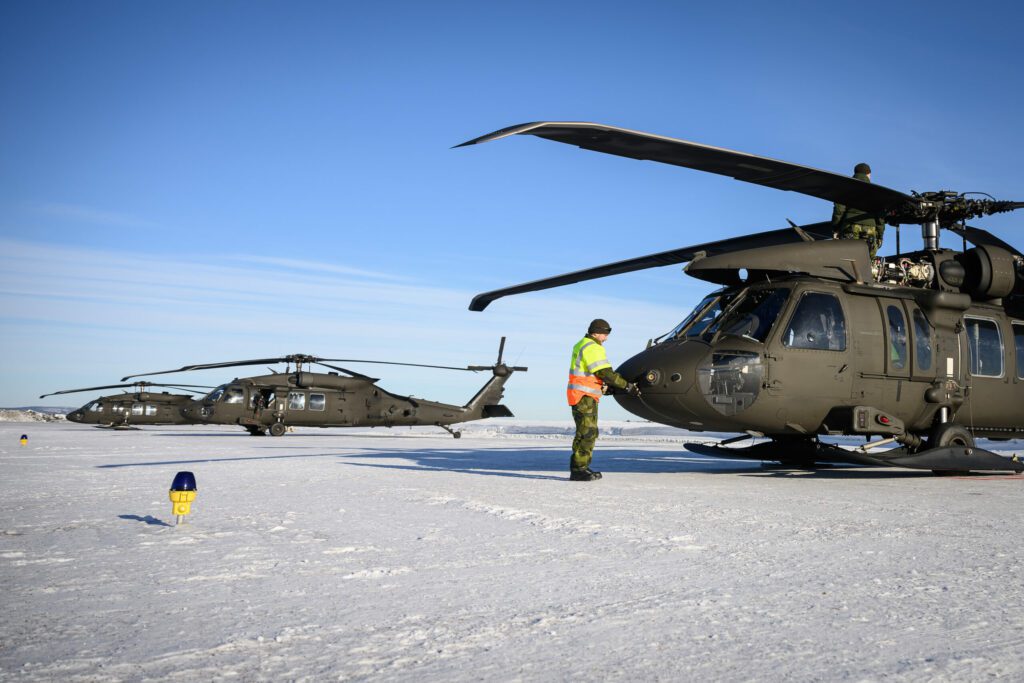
x=46 y=414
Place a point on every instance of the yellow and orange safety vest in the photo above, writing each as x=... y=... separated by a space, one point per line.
x=588 y=356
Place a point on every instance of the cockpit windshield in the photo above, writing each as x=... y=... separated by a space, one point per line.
x=753 y=316
x=705 y=313
x=215 y=395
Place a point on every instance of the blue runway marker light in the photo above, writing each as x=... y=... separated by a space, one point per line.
x=182 y=494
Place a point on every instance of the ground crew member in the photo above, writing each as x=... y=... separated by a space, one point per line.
x=854 y=224
x=589 y=372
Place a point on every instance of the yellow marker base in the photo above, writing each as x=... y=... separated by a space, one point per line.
x=182 y=503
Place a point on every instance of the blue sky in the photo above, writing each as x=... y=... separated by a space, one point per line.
x=196 y=181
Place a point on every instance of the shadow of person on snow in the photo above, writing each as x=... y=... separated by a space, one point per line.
x=148 y=519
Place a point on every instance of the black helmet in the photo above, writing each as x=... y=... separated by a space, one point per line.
x=862 y=168
x=599 y=326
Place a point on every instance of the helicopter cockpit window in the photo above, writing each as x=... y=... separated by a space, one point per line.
x=296 y=400
x=1018 y=342
x=703 y=315
x=317 y=401
x=986 y=347
x=95 y=407
x=754 y=316
x=897 y=338
x=216 y=393
x=922 y=341
x=234 y=395
x=818 y=323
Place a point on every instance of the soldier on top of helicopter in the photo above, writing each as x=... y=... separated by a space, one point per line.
x=854 y=224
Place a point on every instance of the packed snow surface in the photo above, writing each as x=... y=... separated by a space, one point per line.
x=408 y=555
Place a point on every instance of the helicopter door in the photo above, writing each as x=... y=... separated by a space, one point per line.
x=1018 y=345
x=897 y=346
x=922 y=344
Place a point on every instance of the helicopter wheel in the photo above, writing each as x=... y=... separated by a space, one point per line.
x=256 y=431
x=278 y=429
x=950 y=434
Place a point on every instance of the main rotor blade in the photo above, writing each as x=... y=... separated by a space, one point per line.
x=142 y=386
x=664 y=258
x=389 y=362
x=782 y=175
x=228 y=364
x=353 y=373
x=983 y=238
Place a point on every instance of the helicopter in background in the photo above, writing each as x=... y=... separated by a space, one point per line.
x=342 y=398
x=808 y=336
x=138 y=407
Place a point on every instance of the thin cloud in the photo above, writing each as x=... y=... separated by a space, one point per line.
x=93 y=216
x=315 y=267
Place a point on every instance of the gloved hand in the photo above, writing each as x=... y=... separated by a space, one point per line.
x=633 y=390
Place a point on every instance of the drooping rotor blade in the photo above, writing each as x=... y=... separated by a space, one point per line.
x=297 y=358
x=353 y=373
x=665 y=258
x=781 y=175
x=141 y=385
x=983 y=238
x=209 y=366
x=389 y=362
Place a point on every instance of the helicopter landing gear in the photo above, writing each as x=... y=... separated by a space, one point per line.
x=278 y=429
x=256 y=431
x=950 y=434
x=455 y=434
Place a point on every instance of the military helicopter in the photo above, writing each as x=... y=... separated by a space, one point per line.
x=138 y=407
x=273 y=403
x=920 y=353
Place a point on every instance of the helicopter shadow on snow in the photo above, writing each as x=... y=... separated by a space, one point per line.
x=541 y=463
x=544 y=463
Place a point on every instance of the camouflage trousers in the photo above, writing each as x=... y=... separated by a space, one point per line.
x=862 y=232
x=584 y=414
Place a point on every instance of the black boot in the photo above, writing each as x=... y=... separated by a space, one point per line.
x=585 y=474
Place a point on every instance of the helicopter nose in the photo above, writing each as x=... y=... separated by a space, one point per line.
x=667 y=377
x=75 y=416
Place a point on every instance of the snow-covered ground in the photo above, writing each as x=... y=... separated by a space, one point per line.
x=408 y=555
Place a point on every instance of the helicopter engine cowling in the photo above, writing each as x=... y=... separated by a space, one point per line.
x=319 y=380
x=990 y=272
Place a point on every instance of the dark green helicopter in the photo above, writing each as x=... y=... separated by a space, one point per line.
x=808 y=336
x=343 y=398
x=138 y=407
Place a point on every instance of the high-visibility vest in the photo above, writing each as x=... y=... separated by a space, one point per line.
x=588 y=357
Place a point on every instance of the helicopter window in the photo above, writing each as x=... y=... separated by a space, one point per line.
x=266 y=394
x=216 y=393
x=150 y=409
x=818 y=323
x=922 y=341
x=754 y=316
x=986 y=347
x=296 y=400
x=137 y=408
x=117 y=408
x=897 y=338
x=317 y=401
x=95 y=407
x=705 y=313
x=1018 y=341
x=234 y=395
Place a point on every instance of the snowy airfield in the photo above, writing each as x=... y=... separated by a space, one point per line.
x=407 y=555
